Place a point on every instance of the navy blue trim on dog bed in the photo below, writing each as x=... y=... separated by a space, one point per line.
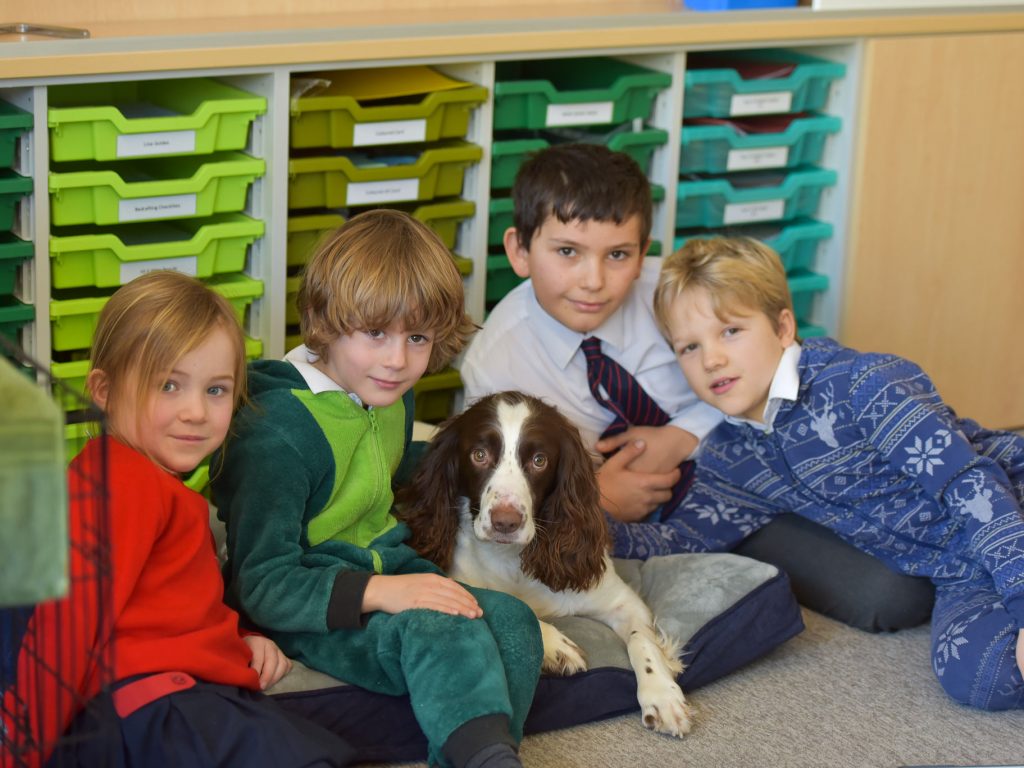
x=383 y=729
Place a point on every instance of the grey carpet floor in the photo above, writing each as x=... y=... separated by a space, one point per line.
x=832 y=696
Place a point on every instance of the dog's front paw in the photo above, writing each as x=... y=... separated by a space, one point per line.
x=561 y=655
x=666 y=711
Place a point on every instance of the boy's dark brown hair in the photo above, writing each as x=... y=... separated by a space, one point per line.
x=380 y=266
x=580 y=182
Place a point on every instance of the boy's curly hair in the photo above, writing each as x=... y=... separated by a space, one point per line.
x=580 y=182
x=381 y=266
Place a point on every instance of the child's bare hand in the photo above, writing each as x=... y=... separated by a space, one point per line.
x=667 y=447
x=268 y=660
x=394 y=594
x=629 y=495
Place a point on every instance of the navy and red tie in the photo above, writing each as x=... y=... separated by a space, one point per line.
x=616 y=390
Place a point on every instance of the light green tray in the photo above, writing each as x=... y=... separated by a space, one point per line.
x=797 y=242
x=13 y=123
x=13 y=187
x=710 y=92
x=716 y=201
x=575 y=91
x=73 y=319
x=167 y=188
x=442 y=216
x=720 y=148
x=330 y=119
x=73 y=373
x=199 y=247
x=13 y=253
x=114 y=121
x=435 y=395
x=337 y=181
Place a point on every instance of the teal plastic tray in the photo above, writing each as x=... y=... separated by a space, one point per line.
x=797 y=242
x=721 y=200
x=720 y=91
x=722 y=148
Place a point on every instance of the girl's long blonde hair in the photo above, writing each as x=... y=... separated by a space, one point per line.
x=149 y=324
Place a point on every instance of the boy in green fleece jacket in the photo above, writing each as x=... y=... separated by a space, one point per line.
x=316 y=558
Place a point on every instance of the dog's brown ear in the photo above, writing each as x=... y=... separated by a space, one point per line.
x=572 y=534
x=428 y=504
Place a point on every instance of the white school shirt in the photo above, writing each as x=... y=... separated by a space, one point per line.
x=522 y=347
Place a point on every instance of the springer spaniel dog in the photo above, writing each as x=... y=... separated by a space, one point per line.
x=507 y=499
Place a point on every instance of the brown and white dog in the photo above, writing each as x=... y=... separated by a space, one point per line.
x=507 y=499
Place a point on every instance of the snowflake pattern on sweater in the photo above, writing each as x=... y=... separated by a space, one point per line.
x=870 y=451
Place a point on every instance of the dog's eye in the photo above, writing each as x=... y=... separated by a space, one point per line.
x=478 y=455
x=540 y=460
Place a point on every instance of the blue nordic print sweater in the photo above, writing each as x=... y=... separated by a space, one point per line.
x=870 y=451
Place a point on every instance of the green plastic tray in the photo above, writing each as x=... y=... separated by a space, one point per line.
x=114 y=121
x=582 y=91
x=337 y=181
x=720 y=148
x=199 y=247
x=13 y=316
x=13 y=188
x=13 y=252
x=499 y=218
x=797 y=242
x=435 y=395
x=333 y=119
x=508 y=155
x=73 y=318
x=500 y=279
x=168 y=188
x=719 y=201
x=721 y=91
x=291 y=305
x=13 y=123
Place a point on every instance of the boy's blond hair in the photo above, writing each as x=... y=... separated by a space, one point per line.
x=739 y=274
x=381 y=266
x=151 y=323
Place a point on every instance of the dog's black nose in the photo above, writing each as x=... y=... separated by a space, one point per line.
x=506 y=519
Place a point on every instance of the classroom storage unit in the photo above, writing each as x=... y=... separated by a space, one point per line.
x=264 y=178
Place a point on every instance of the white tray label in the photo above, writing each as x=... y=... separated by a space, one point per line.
x=760 y=157
x=367 y=192
x=763 y=210
x=132 y=269
x=166 y=207
x=161 y=143
x=761 y=103
x=389 y=132
x=591 y=113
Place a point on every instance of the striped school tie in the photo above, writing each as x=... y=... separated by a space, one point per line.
x=616 y=390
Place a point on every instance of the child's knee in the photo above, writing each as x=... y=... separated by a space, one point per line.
x=989 y=687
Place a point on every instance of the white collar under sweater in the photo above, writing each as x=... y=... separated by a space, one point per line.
x=785 y=386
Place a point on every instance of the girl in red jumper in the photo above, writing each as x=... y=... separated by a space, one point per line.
x=168 y=370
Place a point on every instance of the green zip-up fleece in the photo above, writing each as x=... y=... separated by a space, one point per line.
x=304 y=488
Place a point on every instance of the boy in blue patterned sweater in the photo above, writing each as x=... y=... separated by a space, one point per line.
x=860 y=443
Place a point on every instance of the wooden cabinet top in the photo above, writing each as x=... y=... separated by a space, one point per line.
x=406 y=30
